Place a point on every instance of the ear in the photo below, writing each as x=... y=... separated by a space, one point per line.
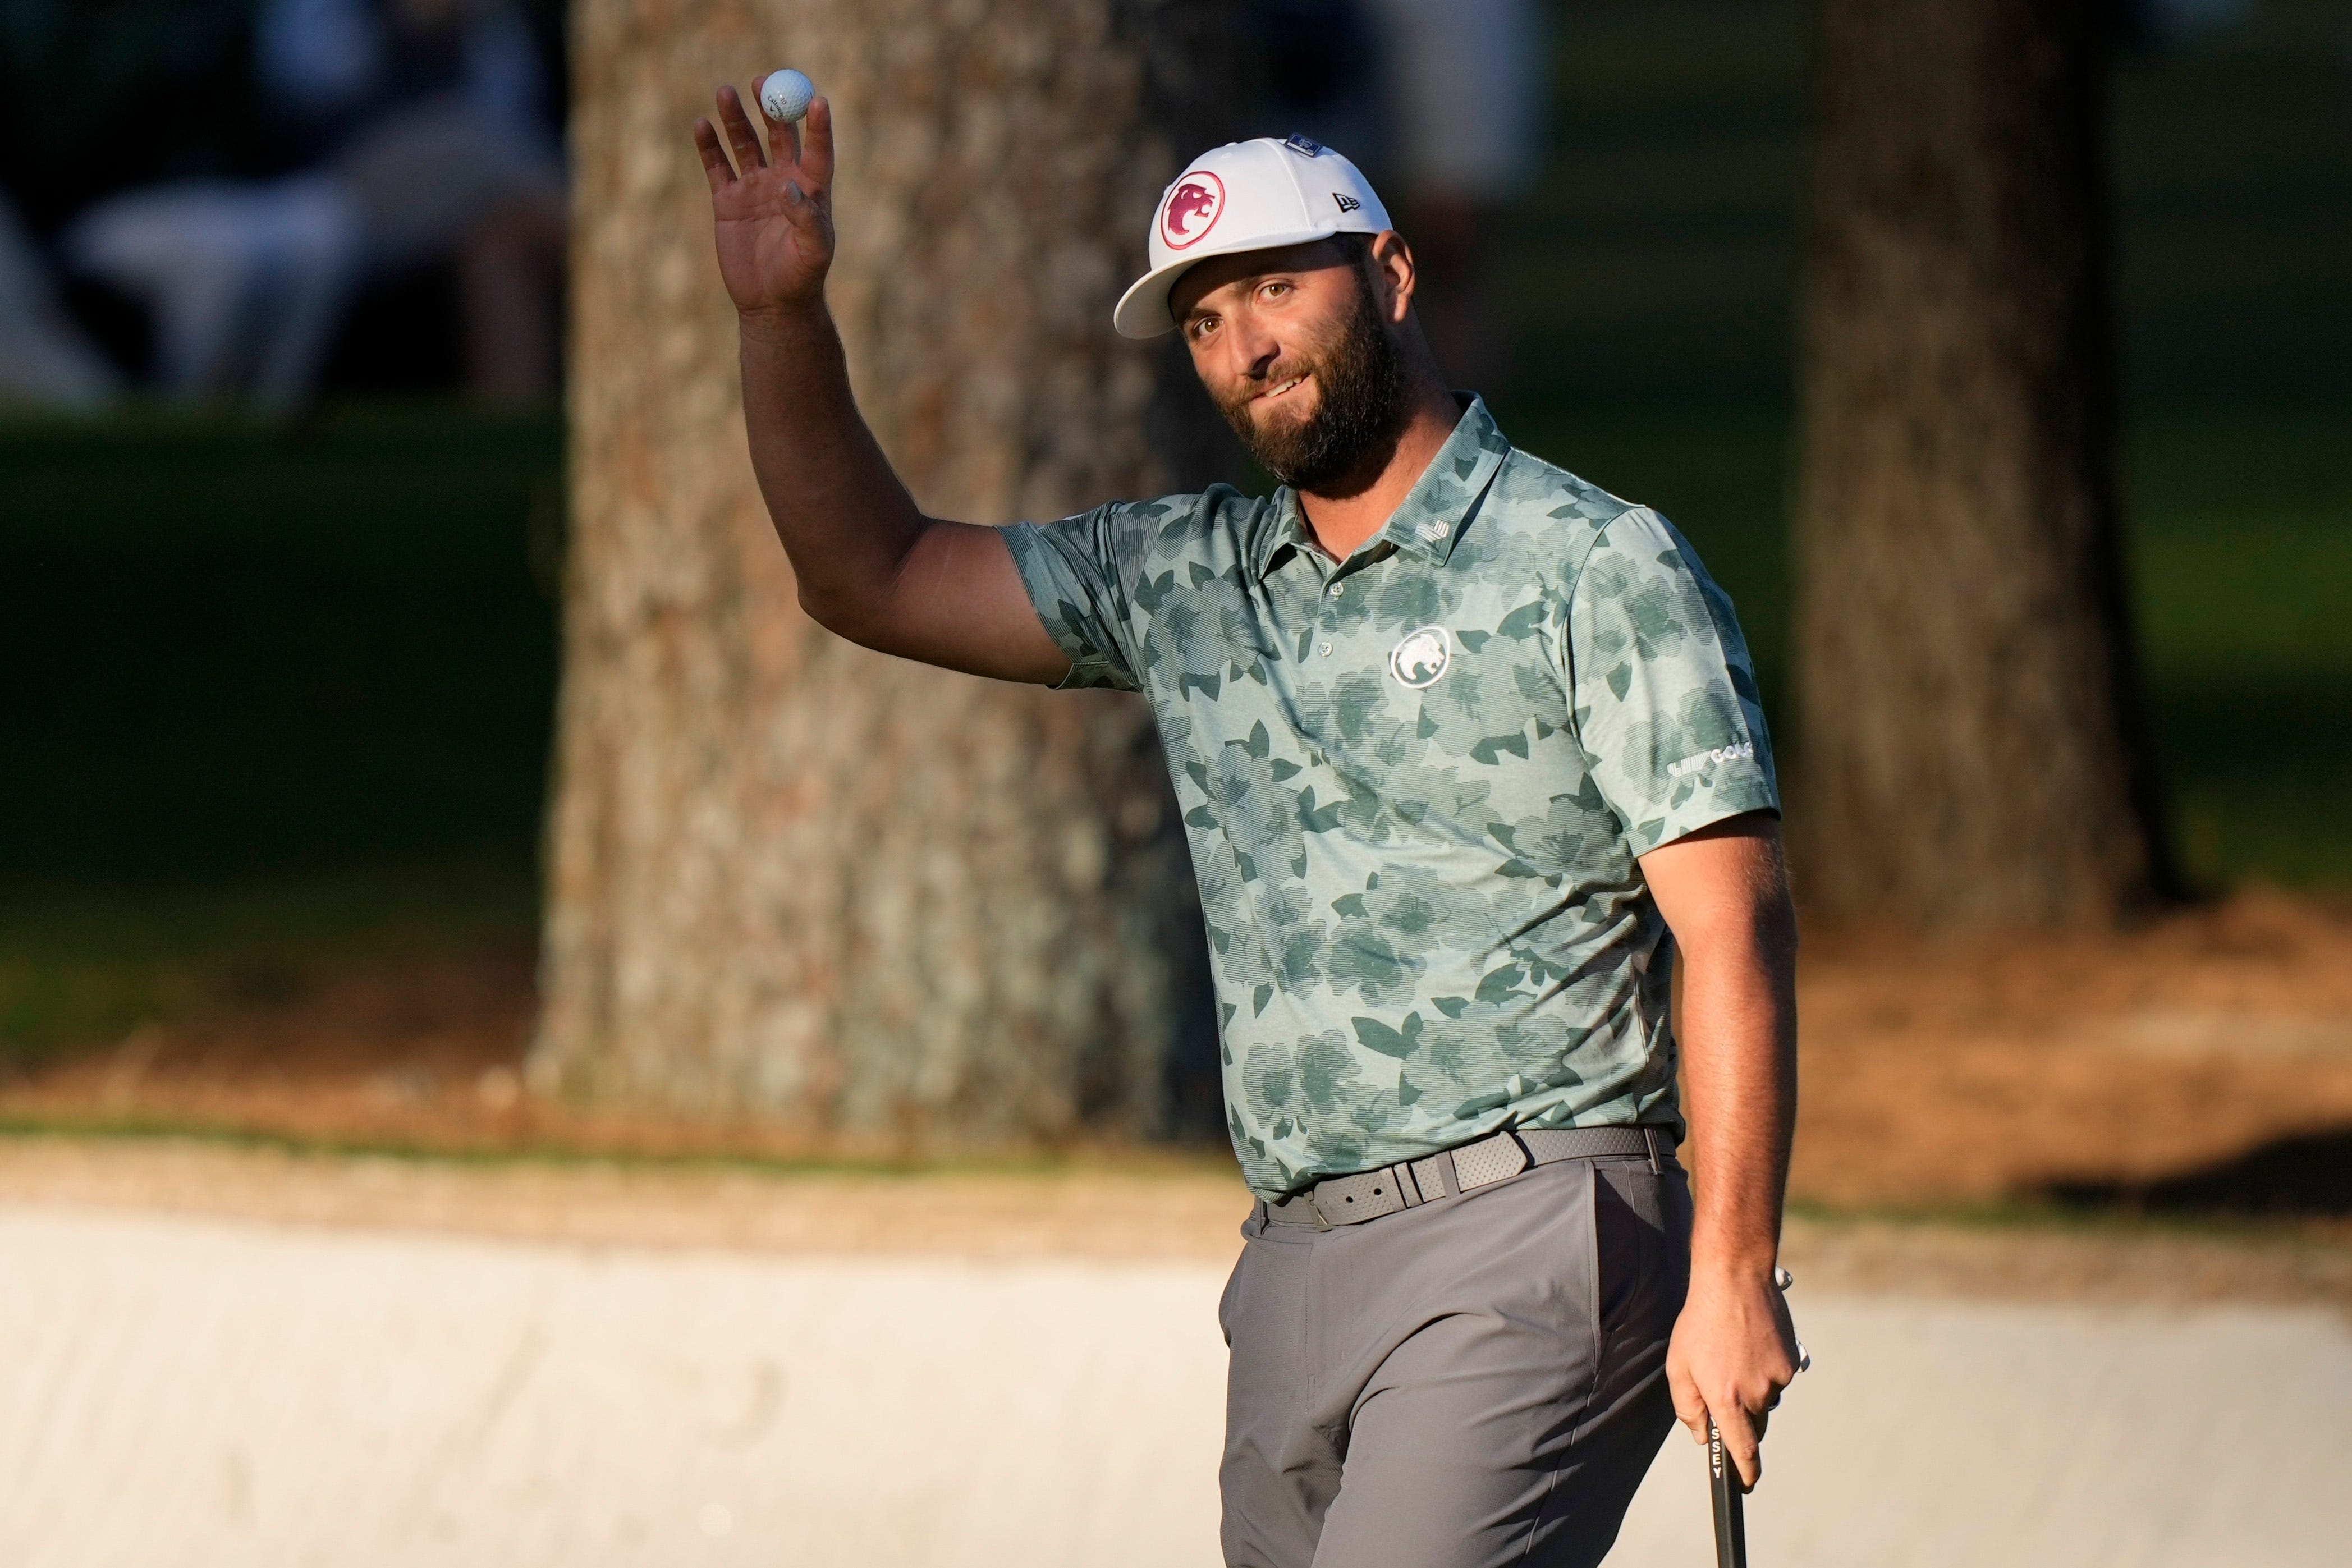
x=1393 y=275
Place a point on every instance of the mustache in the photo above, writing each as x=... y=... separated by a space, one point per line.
x=1236 y=406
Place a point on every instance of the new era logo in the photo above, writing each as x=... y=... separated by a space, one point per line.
x=1347 y=204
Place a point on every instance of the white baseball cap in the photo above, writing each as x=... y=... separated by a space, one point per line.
x=1245 y=195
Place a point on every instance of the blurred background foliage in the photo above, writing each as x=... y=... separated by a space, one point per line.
x=281 y=697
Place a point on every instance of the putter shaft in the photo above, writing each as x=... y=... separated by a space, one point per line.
x=1730 y=1524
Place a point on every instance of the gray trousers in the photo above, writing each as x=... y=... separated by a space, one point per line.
x=1474 y=1382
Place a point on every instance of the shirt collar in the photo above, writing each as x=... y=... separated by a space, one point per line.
x=1430 y=517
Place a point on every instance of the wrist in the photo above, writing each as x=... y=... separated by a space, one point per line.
x=783 y=324
x=1736 y=1265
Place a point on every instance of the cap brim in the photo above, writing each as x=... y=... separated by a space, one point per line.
x=1142 y=311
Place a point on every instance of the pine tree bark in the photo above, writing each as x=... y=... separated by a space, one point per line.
x=789 y=877
x=1971 y=750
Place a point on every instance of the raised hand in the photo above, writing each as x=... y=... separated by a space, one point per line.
x=866 y=562
x=772 y=210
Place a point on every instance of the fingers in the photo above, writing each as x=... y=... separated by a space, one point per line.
x=816 y=152
x=741 y=137
x=783 y=138
x=1743 y=1442
x=715 y=167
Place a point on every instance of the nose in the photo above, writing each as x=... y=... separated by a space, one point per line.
x=1253 y=349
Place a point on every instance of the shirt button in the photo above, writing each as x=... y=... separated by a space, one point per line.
x=1327 y=650
x=1335 y=589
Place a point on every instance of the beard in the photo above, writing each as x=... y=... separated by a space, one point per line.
x=1361 y=409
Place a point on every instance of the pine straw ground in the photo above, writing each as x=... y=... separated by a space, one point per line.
x=2200 y=1063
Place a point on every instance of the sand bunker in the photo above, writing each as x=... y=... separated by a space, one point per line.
x=199 y=1392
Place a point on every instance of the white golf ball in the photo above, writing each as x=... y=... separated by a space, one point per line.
x=786 y=94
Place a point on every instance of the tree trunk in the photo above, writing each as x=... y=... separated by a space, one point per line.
x=789 y=877
x=1971 y=751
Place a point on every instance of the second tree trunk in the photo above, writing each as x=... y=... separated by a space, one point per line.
x=1970 y=750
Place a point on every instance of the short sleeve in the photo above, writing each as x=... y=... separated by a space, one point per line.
x=1664 y=691
x=1072 y=576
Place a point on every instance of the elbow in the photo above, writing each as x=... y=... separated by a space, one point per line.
x=837 y=611
x=853 y=595
x=818 y=605
x=853 y=617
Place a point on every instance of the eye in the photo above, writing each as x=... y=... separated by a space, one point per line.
x=1276 y=288
x=1201 y=326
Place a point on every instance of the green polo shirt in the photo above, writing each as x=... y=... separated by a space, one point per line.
x=1416 y=782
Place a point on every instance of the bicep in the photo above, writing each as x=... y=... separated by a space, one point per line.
x=1727 y=882
x=957 y=601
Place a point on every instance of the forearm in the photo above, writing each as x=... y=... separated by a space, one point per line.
x=845 y=518
x=1739 y=1035
x=1725 y=893
x=870 y=565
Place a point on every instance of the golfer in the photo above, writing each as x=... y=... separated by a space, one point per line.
x=1470 y=758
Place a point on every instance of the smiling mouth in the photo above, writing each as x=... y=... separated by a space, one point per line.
x=1281 y=389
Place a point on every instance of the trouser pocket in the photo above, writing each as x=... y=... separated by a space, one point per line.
x=1263 y=1316
x=1640 y=1229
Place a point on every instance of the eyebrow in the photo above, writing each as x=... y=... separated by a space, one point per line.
x=1251 y=278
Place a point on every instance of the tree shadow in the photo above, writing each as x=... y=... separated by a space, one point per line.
x=2310 y=1174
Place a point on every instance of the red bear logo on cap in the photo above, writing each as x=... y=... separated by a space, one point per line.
x=1199 y=195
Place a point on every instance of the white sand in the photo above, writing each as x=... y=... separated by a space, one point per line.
x=181 y=1393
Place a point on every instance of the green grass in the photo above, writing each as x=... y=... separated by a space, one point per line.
x=2244 y=564
x=1654 y=263
x=276 y=700
x=233 y=651
x=88 y=961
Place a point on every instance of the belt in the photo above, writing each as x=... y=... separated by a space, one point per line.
x=1370 y=1194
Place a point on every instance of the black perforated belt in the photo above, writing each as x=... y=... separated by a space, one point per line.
x=1369 y=1194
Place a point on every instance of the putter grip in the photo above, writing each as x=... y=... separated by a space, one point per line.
x=1730 y=1524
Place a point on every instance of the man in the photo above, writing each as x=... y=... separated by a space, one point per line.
x=1460 y=739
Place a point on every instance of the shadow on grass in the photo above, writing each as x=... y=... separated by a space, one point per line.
x=2309 y=1175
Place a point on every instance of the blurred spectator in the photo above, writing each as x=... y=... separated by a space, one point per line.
x=421 y=124
x=1441 y=104
x=433 y=114
x=246 y=281
x=43 y=358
